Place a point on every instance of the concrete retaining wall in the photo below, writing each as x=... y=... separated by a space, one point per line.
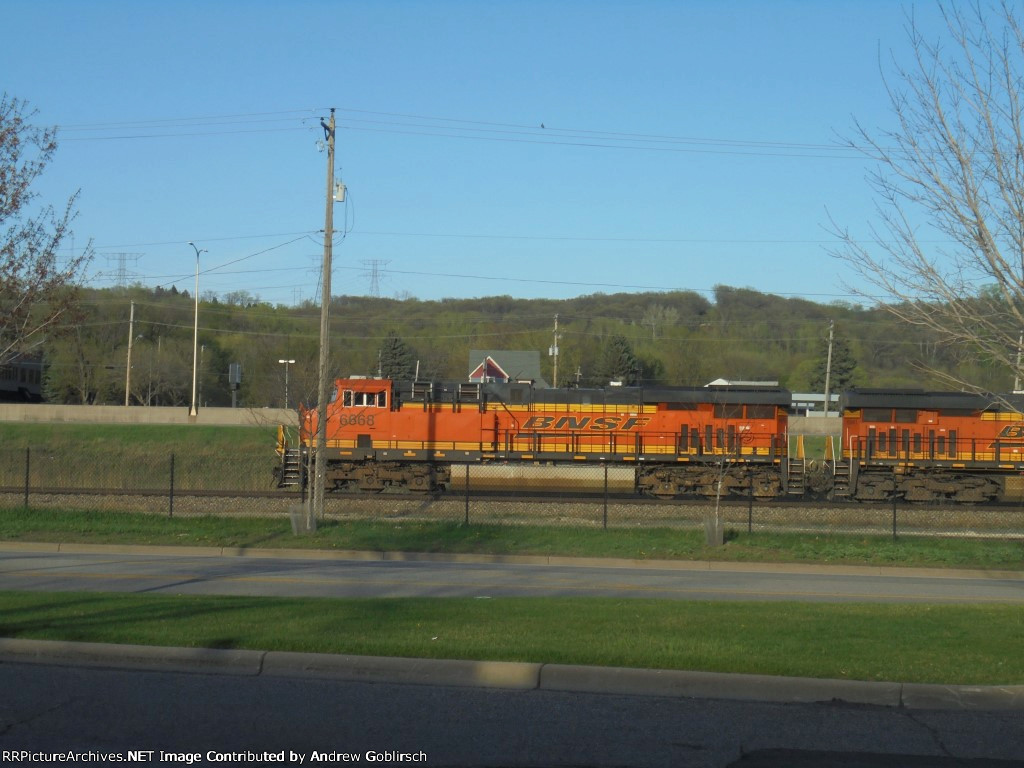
x=119 y=414
x=815 y=425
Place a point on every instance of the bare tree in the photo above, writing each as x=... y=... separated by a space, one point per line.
x=951 y=172
x=36 y=288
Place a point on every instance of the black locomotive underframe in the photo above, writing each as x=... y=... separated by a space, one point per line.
x=980 y=483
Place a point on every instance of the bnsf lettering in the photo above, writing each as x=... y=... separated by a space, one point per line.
x=1012 y=431
x=622 y=423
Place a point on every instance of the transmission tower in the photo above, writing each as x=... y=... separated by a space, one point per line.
x=121 y=273
x=374 y=268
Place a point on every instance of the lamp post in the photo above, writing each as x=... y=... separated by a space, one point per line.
x=195 y=335
x=286 y=364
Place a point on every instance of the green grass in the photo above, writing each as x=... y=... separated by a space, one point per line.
x=908 y=643
x=101 y=527
x=137 y=457
x=183 y=438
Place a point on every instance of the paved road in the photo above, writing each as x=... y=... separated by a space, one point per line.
x=315 y=574
x=47 y=708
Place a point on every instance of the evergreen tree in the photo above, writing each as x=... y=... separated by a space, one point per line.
x=617 y=363
x=843 y=368
x=397 y=359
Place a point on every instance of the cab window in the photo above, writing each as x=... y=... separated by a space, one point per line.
x=365 y=399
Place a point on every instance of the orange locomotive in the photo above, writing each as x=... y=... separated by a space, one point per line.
x=662 y=441
x=931 y=446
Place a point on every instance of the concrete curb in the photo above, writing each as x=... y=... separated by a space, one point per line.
x=521 y=676
x=383 y=669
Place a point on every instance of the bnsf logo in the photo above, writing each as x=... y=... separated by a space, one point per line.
x=1012 y=431
x=586 y=422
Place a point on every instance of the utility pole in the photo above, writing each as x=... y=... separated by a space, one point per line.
x=195 y=335
x=554 y=353
x=128 y=367
x=1016 y=377
x=286 y=363
x=828 y=364
x=319 y=459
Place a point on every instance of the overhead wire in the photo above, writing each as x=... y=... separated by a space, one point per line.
x=460 y=128
x=475 y=129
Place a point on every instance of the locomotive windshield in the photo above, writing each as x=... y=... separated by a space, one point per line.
x=353 y=399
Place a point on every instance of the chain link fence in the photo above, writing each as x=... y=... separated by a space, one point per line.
x=176 y=484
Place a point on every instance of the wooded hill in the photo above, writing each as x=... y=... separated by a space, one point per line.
x=673 y=338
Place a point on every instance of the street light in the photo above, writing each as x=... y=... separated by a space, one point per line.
x=195 y=334
x=286 y=364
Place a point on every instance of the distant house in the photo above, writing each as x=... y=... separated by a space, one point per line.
x=505 y=365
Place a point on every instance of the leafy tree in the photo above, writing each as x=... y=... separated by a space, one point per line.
x=659 y=316
x=397 y=359
x=82 y=370
x=162 y=372
x=36 y=292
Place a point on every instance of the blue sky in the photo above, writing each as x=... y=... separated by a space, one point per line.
x=684 y=144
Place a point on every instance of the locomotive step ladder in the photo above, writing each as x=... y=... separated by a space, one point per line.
x=291 y=468
x=796 y=467
x=795 y=471
x=842 y=471
x=841 y=485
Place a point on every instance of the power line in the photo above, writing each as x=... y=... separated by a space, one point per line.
x=460 y=128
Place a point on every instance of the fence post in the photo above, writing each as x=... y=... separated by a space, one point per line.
x=28 y=464
x=170 y=510
x=605 y=522
x=466 y=522
x=894 y=504
x=750 y=498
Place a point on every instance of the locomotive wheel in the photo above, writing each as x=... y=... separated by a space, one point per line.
x=976 y=490
x=874 y=488
x=419 y=483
